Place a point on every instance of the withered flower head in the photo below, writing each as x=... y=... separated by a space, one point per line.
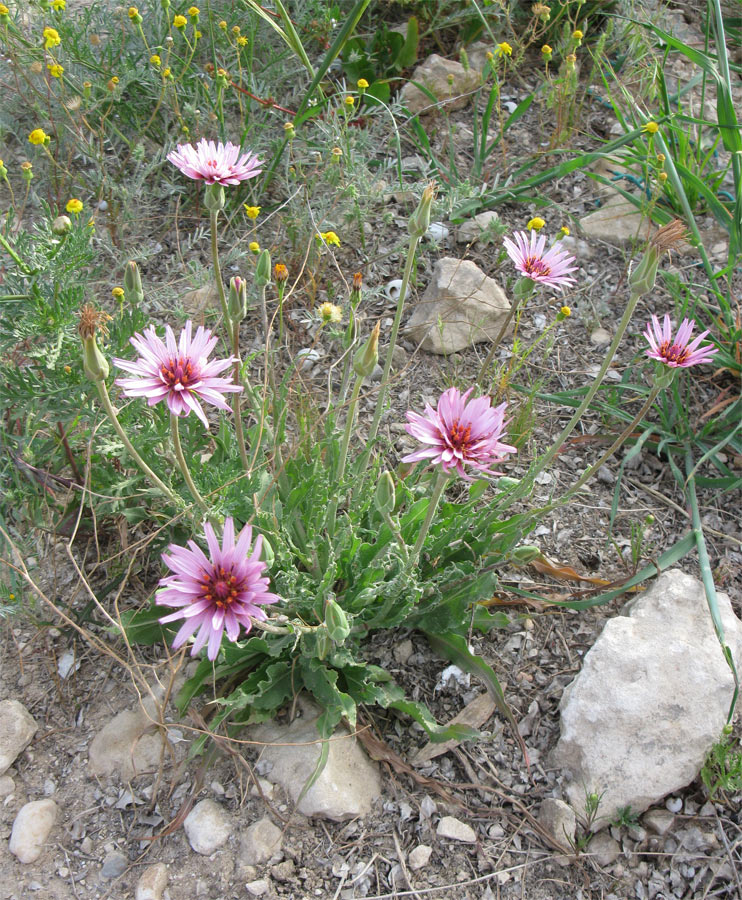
x=92 y=320
x=669 y=237
x=357 y=281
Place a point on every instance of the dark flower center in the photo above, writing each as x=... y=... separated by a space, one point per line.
x=534 y=265
x=179 y=374
x=673 y=352
x=459 y=436
x=221 y=586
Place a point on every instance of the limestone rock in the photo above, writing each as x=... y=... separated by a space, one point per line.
x=349 y=783
x=558 y=818
x=619 y=223
x=419 y=857
x=460 y=307
x=258 y=887
x=603 y=849
x=651 y=699
x=17 y=727
x=152 y=882
x=659 y=821
x=31 y=829
x=114 y=864
x=207 y=826
x=456 y=830
x=123 y=746
x=446 y=79
x=260 y=843
x=471 y=231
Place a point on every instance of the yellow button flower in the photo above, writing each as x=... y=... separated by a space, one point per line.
x=504 y=49
x=166 y=73
x=134 y=15
x=55 y=70
x=535 y=224
x=3 y=11
x=38 y=136
x=155 y=60
x=565 y=311
x=223 y=25
x=350 y=101
x=252 y=212
x=51 y=38
x=546 y=50
x=118 y=293
x=193 y=12
x=74 y=206
x=180 y=22
x=577 y=34
x=362 y=84
x=650 y=128
x=254 y=247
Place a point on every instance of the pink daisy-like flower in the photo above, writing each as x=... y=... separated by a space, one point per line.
x=677 y=351
x=180 y=373
x=550 y=267
x=459 y=433
x=215 y=594
x=215 y=163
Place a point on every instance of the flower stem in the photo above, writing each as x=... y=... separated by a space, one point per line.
x=496 y=343
x=111 y=412
x=213 y=216
x=236 y=397
x=438 y=487
x=183 y=465
x=349 y=422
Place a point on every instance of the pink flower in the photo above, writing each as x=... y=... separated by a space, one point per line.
x=215 y=163
x=179 y=373
x=225 y=591
x=677 y=352
x=460 y=433
x=550 y=268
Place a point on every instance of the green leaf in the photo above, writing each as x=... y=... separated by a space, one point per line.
x=322 y=682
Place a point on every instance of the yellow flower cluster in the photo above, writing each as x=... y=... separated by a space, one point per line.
x=330 y=312
x=252 y=212
x=329 y=238
x=55 y=70
x=51 y=38
x=535 y=224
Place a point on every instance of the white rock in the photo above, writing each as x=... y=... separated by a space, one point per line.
x=7 y=786
x=471 y=231
x=207 y=826
x=456 y=830
x=17 y=728
x=618 y=223
x=449 y=82
x=31 y=829
x=260 y=842
x=600 y=337
x=348 y=784
x=558 y=818
x=419 y=857
x=258 y=887
x=603 y=849
x=437 y=232
x=393 y=289
x=658 y=820
x=127 y=745
x=460 y=307
x=651 y=699
x=152 y=882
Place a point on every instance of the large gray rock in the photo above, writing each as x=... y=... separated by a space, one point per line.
x=650 y=701
x=618 y=222
x=31 y=829
x=349 y=782
x=460 y=307
x=449 y=82
x=17 y=728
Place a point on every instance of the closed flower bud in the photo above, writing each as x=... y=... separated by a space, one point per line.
x=420 y=219
x=367 y=358
x=237 y=302
x=336 y=621
x=133 y=283
x=525 y=554
x=263 y=269
x=385 y=496
x=214 y=198
x=62 y=225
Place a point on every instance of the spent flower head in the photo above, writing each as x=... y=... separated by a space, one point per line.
x=215 y=163
x=330 y=312
x=178 y=372
x=223 y=591
x=550 y=267
x=678 y=351
x=460 y=433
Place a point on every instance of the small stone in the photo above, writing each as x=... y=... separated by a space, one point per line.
x=124 y=747
x=403 y=651
x=600 y=337
x=17 y=728
x=207 y=827
x=604 y=849
x=637 y=833
x=558 y=818
x=260 y=842
x=284 y=871
x=257 y=888
x=674 y=804
x=456 y=830
x=605 y=475
x=449 y=82
x=7 y=786
x=114 y=864
x=152 y=882
x=419 y=857
x=618 y=223
x=31 y=829
x=473 y=230
x=86 y=846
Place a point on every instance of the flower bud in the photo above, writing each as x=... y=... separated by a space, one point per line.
x=263 y=269
x=420 y=219
x=385 y=496
x=62 y=225
x=367 y=358
x=214 y=198
x=133 y=283
x=266 y=552
x=525 y=554
x=336 y=622
x=237 y=303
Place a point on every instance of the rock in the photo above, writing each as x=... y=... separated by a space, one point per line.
x=197 y=302
x=651 y=699
x=114 y=864
x=207 y=826
x=152 y=883
x=348 y=784
x=558 y=818
x=456 y=830
x=460 y=307
x=419 y=857
x=284 y=871
x=260 y=843
x=403 y=651
x=7 y=786
x=258 y=887
x=31 y=829
x=618 y=223
x=126 y=746
x=603 y=849
x=477 y=54
x=471 y=231
x=17 y=728
x=600 y=337
x=449 y=82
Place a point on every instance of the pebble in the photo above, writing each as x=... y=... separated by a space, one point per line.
x=257 y=888
x=260 y=842
x=419 y=857
x=31 y=829
x=558 y=819
x=658 y=820
x=456 y=830
x=600 y=337
x=86 y=846
x=152 y=883
x=605 y=475
x=17 y=728
x=403 y=651
x=674 y=804
x=207 y=827
x=284 y=871
x=7 y=786
x=115 y=863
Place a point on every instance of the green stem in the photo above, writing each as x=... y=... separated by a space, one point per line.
x=496 y=343
x=183 y=465
x=440 y=484
x=349 y=422
x=236 y=397
x=213 y=216
x=14 y=256
x=111 y=412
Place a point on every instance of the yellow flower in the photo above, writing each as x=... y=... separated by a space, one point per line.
x=134 y=15
x=166 y=73
x=329 y=237
x=330 y=312
x=112 y=82
x=55 y=70
x=155 y=60
x=289 y=129
x=180 y=22
x=336 y=154
x=197 y=34
x=254 y=247
x=193 y=12
x=350 y=101
x=565 y=311
x=67 y=371
x=661 y=158
x=280 y=273
x=235 y=30
x=118 y=293
x=223 y=25
x=242 y=40
x=650 y=128
x=38 y=136
x=662 y=177
x=535 y=224
x=570 y=60
x=577 y=34
x=564 y=230
x=3 y=10
x=51 y=38
x=3 y=171
x=57 y=5
x=74 y=205
x=252 y=211
x=362 y=84
x=504 y=49
x=546 y=50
